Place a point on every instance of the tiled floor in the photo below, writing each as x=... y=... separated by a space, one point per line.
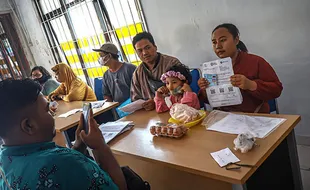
x=304 y=161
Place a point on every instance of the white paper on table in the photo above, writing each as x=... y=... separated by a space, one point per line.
x=259 y=127
x=220 y=91
x=224 y=157
x=110 y=130
x=98 y=104
x=71 y=112
x=134 y=106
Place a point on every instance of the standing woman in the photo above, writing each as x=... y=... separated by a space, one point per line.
x=41 y=75
x=254 y=76
x=72 y=88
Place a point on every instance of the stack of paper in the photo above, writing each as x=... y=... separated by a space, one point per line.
x=98 y=104
x=259 y=127
x=111 y=129
x=71 y=112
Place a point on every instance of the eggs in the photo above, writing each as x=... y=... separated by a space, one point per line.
x=168 y=130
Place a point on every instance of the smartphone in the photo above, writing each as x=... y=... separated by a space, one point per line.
x=86 y=111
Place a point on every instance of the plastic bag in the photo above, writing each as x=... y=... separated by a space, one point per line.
x=213 y=117
x=184 y=113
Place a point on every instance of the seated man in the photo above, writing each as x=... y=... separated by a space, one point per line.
x=146 y=78
x=116 y=81
x=30 y=160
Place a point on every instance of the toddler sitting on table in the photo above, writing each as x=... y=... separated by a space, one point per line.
x=177 y=89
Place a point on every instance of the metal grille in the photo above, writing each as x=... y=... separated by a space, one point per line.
x=8 y=65
x=74 y=27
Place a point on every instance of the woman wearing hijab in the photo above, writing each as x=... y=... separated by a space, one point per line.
x=41 y=75
x=72 y=88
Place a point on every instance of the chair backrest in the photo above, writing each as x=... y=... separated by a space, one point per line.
x=196 y=74
x=273 y=105
x=98 y=88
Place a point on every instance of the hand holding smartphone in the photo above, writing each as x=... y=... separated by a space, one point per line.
x=86 y=111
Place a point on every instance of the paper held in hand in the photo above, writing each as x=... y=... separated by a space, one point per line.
x=220 y=91
x=134 y=106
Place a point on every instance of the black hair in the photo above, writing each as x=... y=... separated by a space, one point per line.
x=44 y=72
x=14 y=96
x=114 y=56
x=234 y=31
x=184 y=70
x=143 y=35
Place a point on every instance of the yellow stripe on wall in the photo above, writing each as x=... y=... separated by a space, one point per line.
x=92 y=72
x=122 y=32
x=136 y=63
x=67 y=45
x=128 y=49
x=129 y=30
x=87 y=57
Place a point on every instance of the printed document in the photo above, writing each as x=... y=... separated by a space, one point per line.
x=71 y=112
x=220 y=91
x=110 y=130
x=224 y=157
x=259 y=127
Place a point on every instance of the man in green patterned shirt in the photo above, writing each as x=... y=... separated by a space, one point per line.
x=30 y=160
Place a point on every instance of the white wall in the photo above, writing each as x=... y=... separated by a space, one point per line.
x=4 y=6
x=34 y=35
x=277 y=30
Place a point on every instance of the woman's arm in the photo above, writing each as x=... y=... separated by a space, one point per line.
x=268 y=84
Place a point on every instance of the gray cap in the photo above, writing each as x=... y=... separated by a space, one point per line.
x=108 y=48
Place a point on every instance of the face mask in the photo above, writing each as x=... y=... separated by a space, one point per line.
x=102 y=60
x=42 y=80
x=177 y=90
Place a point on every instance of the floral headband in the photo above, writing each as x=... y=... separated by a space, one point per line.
x=172 y=74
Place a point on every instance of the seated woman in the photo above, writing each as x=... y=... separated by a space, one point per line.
x=41 y=75
x=72 y=88
x=177 y=80
x=255 y=77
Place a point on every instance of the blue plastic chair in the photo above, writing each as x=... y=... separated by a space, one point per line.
x=98 y=88
x=273 y=104
x=196 y=74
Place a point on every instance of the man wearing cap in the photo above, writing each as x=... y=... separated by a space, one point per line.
x=117 y=79
x=146 y=78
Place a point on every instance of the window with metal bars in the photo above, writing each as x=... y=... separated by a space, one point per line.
x=13 y=63
x=74 y=27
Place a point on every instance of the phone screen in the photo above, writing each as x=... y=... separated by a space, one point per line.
x=86 y=112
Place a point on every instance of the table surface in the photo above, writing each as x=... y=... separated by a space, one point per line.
x=62 y=124
x=191 y=153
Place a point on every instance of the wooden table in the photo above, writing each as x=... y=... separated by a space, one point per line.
x=63 y=124
x=186 y=163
